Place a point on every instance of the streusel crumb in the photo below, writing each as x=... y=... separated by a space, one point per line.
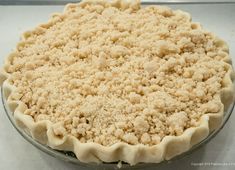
x=114 y=72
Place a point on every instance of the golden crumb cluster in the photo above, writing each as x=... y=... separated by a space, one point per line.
x=107 y=72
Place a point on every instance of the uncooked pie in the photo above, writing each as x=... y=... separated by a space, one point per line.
x=114 y=81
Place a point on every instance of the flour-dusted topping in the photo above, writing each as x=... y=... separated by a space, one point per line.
x=114 y=72
x=177 y=122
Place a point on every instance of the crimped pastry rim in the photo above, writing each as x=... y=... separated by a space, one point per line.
x=169 y=147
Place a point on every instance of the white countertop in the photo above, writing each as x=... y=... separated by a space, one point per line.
x=18 y=154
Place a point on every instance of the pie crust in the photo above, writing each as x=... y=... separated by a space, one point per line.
x=170 y=146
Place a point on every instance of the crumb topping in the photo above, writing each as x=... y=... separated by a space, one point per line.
x=109 y=72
